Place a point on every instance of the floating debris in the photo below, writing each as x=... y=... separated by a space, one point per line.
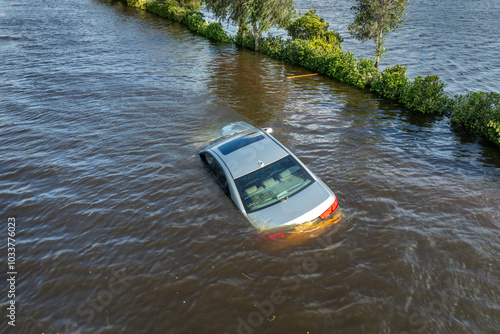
x=247 y=276
x=303 y=75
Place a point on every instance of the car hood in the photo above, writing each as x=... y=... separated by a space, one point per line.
x=300 y=208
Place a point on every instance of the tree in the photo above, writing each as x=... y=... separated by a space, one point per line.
x=261 y=15
x=307 y=26
x=374 y=19
x=310 y=26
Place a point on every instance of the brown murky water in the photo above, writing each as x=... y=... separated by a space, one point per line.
x=120 y=229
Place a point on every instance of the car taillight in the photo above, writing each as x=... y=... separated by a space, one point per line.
x=273 y=236
x=330 y=210
x=279 y=235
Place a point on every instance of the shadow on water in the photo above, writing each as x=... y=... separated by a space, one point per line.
x=417 y=119
x=472 y=144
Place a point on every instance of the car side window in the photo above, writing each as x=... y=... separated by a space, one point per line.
x=218 y=172
x=221 y=177
x=208 y=159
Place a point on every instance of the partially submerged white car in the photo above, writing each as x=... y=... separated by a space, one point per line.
x=265 y=181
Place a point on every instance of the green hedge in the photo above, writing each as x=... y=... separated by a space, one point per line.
x=194 y=20
x=478 y=112
x=424 y=94
x=172 y=10
x=475 y=112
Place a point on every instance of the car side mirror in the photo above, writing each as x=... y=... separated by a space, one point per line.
x=268 y=130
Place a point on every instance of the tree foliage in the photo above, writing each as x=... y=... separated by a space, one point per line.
x=374 y=19
x=190 y=4
x=261 y=15
x=311 y=26
x=308 y=26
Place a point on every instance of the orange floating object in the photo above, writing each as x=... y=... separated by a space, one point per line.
x=303 y=75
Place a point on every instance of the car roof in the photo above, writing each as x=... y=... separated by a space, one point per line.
x=248 y=151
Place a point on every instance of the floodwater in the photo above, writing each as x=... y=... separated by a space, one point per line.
x=120 y=229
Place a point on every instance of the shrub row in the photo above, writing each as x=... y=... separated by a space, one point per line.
x=171 y=9
x=478 y=112
x=424 y=94
x=475 y=112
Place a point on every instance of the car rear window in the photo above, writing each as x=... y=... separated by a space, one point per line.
x=272 y=184
x=240 y=142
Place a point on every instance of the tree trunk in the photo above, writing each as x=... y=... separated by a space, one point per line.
x=256 y=36
x=378 y=50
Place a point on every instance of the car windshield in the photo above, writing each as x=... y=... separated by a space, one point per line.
x=272 y=183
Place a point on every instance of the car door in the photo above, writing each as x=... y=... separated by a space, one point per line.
x=217 y=171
